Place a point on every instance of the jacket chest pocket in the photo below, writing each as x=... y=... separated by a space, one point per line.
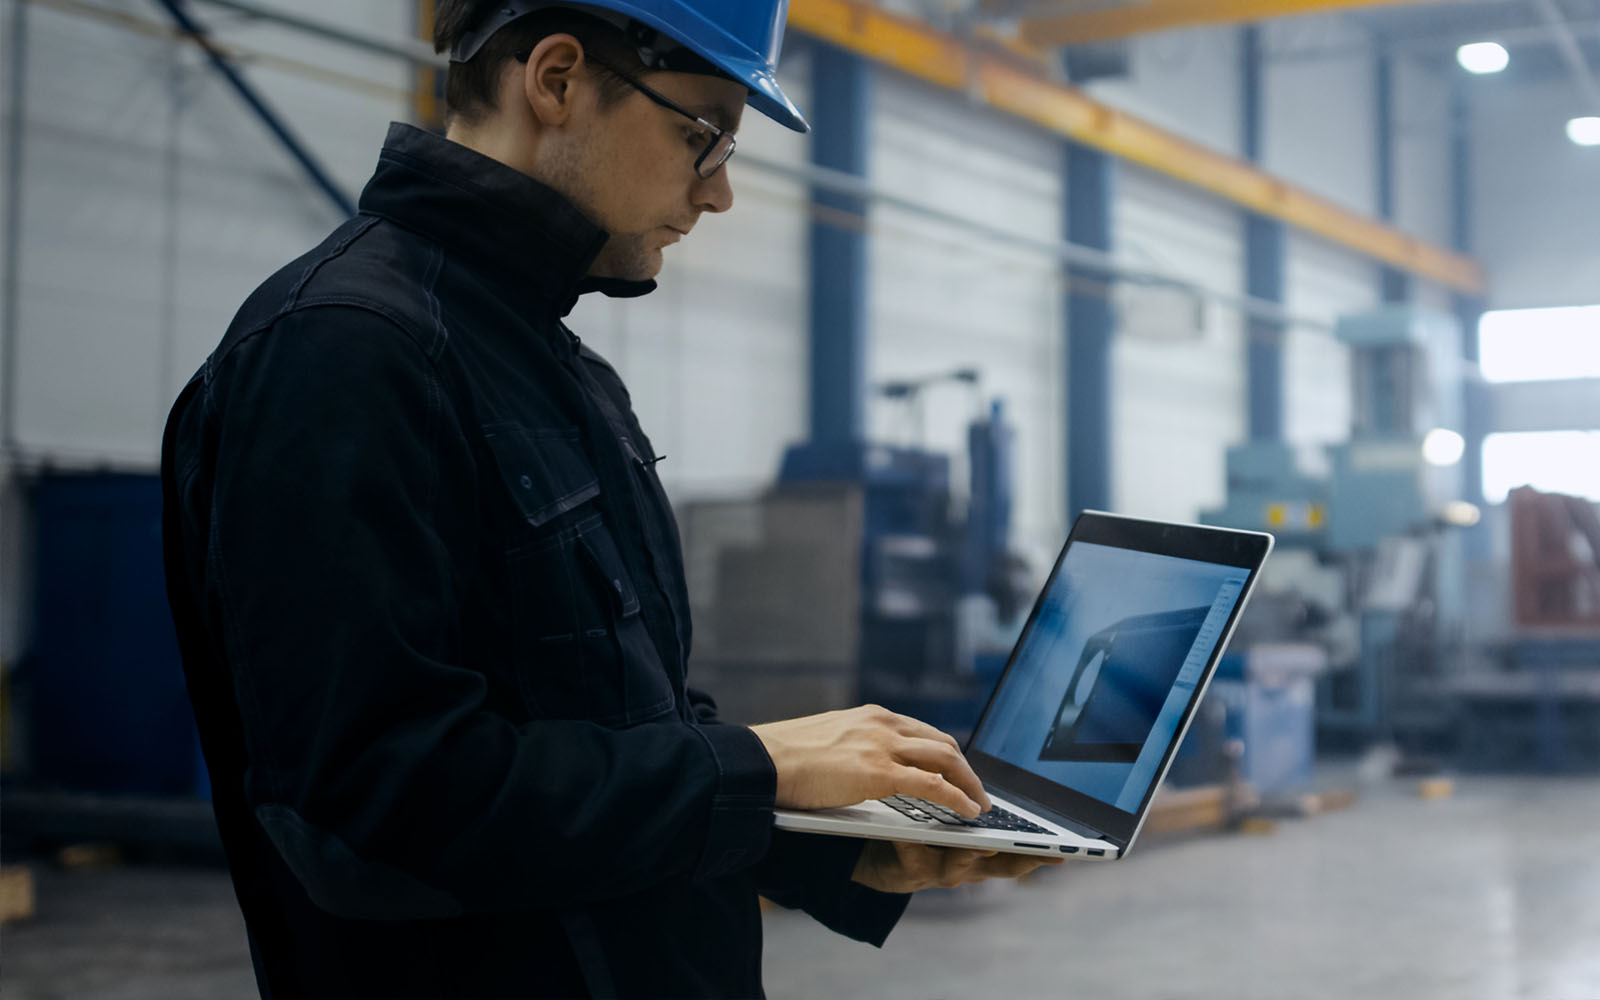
x=581 y=647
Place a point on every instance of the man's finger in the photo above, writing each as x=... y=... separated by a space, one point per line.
x=916 y=782
x=1017 y=865
x=930 y=755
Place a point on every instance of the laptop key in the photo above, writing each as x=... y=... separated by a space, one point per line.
x=995 y=819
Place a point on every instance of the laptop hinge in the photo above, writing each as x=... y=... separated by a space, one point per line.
x=1081 y=829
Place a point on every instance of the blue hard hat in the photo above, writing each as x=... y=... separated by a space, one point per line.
x=739 y=38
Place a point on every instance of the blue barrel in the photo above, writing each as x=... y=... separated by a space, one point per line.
x=109 y=711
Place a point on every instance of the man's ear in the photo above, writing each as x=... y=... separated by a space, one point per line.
x=548 y=80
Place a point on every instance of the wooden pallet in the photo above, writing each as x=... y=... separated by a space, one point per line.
x=17 y=899
x=1189 y=809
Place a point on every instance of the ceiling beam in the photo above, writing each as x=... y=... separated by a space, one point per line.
x=918 y=50
x=1166 y=15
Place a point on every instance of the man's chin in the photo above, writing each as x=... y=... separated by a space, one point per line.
x=643 y=265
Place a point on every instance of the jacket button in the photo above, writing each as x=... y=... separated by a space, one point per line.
x=527 y=482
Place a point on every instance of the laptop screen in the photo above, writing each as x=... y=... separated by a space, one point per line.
x=1105 y=675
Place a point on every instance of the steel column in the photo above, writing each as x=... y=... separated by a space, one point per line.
x=1091 y=183
x=1396 y=284
x=1264 y=264
x=840 y=114
x=1469 y=309
x=1264 y=251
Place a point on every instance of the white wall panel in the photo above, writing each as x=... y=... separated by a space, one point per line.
x=1536 y=198
x=941 y=299
x=1323 y=282
x=1318 y=127
x=1185 y=81
x=1178 y=396
x=154 y=202
x=1422 y=181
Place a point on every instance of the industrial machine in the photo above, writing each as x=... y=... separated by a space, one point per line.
x=1369 y=561
x=932 y=570
x=1532 y=698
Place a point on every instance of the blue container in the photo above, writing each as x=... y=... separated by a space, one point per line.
x=109 y=711
x=1268 y=692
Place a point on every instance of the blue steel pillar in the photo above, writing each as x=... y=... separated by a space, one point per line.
x=1469 y=309
x=1091 y=184
x=840 y=114
x=1264 y=254
x=1396 y=284
x=1264 y=251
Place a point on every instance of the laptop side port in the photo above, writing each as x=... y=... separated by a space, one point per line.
x=1095 y=852
x=1036 y=847
x=1069 y=850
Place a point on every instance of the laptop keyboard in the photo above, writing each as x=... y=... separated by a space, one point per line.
x=927 y=812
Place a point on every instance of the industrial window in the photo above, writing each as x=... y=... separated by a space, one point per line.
x=1552 y=461
x=1524 y=345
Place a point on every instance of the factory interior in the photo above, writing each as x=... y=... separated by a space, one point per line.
x=1325 y=269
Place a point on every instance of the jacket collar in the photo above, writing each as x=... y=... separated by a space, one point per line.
x=493 y=219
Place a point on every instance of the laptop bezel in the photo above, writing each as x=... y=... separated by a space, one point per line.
x=1219 y=546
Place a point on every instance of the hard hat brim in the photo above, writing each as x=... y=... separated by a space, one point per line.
x=766 y=96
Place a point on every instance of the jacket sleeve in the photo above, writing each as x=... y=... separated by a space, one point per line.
x=336 y=536
x=811 y=872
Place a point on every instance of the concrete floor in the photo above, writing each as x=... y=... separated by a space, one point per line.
x=1494 y=893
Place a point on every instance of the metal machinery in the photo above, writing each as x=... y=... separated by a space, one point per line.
x=931 y=572
x=1532 y=699
x=1369 y=564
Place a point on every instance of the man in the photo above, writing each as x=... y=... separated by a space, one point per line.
x=428 y=588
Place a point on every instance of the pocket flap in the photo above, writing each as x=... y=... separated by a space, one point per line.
x=545 y=471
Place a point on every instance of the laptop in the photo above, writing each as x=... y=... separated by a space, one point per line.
x=1095 y=698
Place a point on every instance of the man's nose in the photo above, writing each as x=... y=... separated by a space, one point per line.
x=714 y=193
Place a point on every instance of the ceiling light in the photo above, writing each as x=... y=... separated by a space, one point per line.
x=1443 y=447
x=1584 y=131
x=1461 y=514
x=1482 y=57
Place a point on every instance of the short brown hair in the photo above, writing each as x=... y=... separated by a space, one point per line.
x=471 y=88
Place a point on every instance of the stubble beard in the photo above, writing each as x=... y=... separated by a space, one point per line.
x=625 y=256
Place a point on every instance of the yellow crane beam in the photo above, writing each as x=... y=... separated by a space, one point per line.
x=1147 y=16
x=1006 y=84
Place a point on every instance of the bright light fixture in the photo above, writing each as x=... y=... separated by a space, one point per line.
x=1483 y=57
x=1584 y=131
x=1443 y=447
x=1461 y=514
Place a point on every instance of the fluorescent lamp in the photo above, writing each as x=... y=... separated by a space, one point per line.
x=1584 y=131
x=1461 y=514
x=1483 y=57
x=1443 y=447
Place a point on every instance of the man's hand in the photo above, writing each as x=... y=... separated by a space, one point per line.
x=890 y=866
x=841 y=758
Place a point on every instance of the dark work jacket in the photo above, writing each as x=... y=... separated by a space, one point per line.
x=430 y=599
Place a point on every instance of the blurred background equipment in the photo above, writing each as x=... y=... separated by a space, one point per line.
x=862 y=576
x=1368 y=563
x=1533 y=701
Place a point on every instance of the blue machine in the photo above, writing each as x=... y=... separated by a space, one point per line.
x=920 y=557
x=1380 y=514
